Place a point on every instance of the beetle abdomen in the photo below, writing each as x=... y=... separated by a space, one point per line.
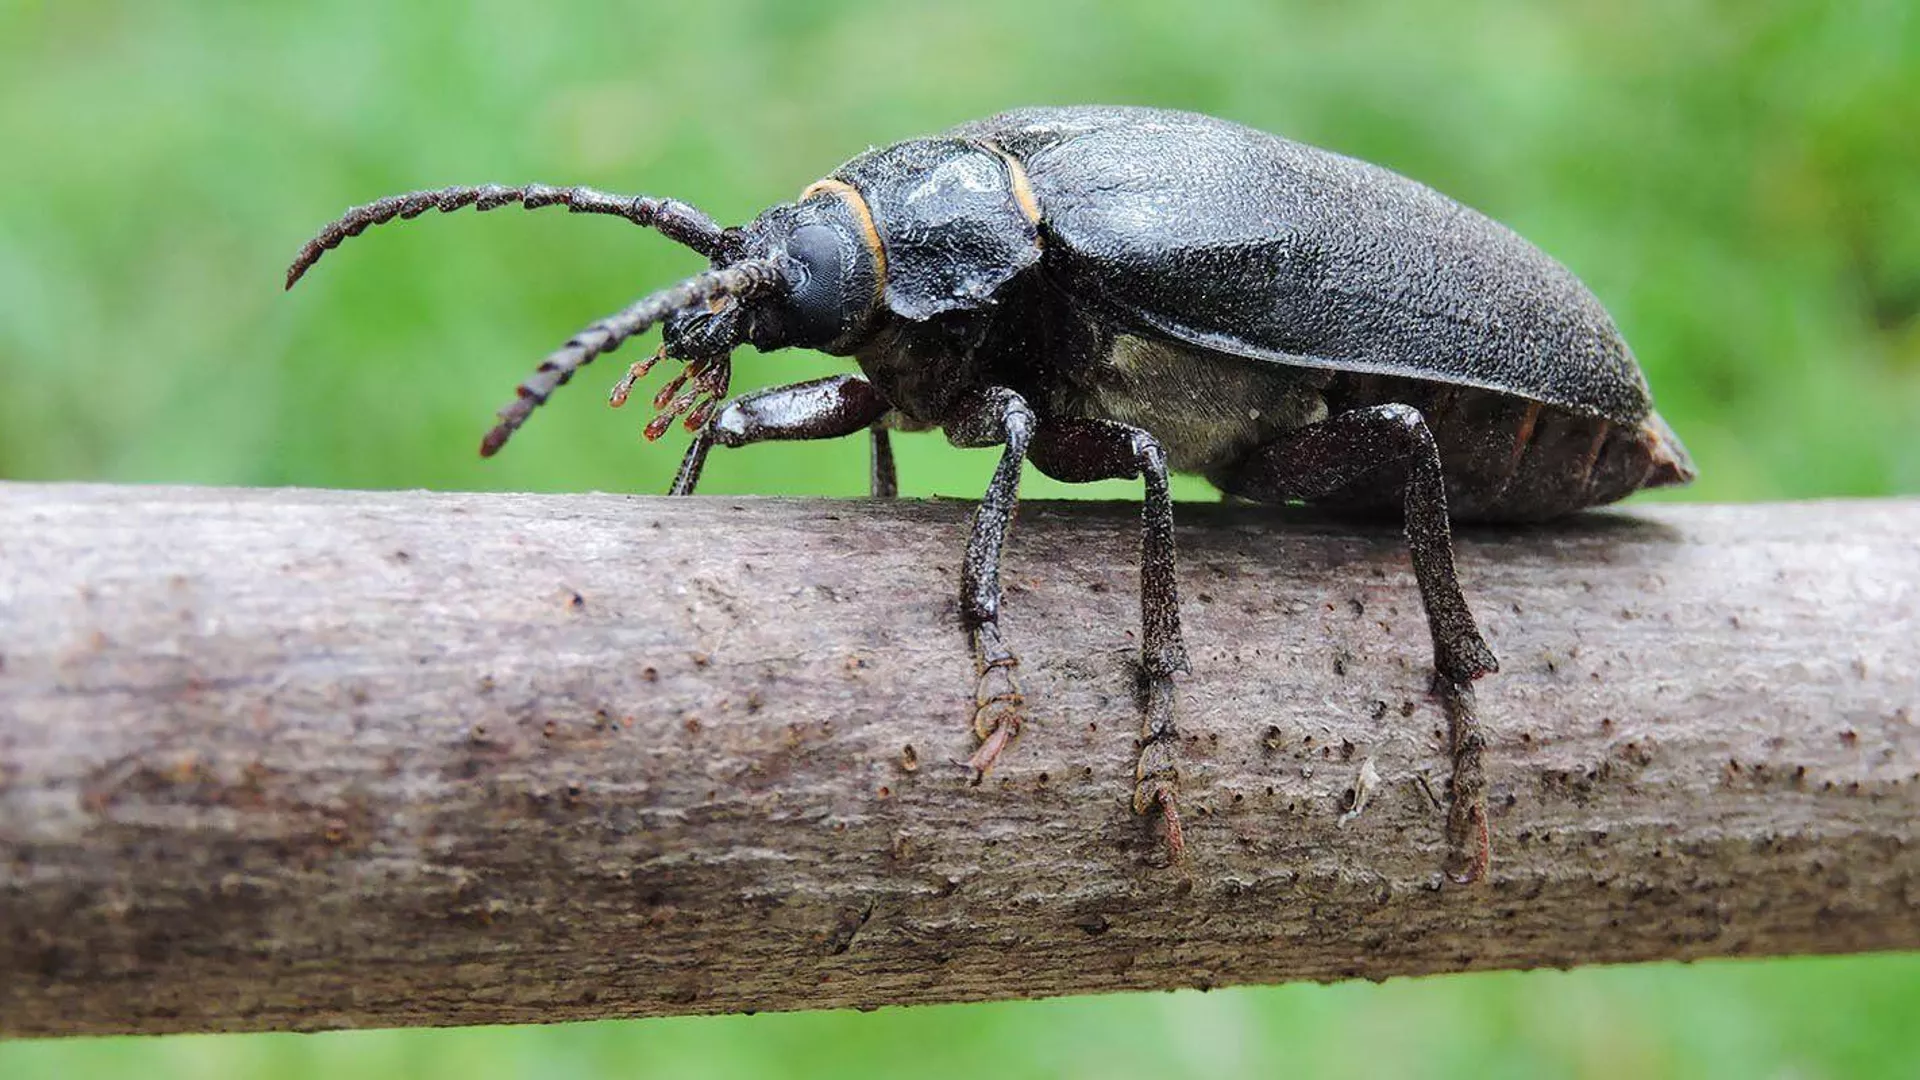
x=1507 y=458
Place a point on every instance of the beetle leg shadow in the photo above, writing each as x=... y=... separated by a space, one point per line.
x=1083 y=451
x=1389 y=449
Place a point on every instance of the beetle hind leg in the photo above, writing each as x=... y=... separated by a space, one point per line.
x=1082 y=451
x=1390 y=446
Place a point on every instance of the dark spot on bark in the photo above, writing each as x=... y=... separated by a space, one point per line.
x=1406 y=708
x=1346 y=750
x=692 y=724
x=1093 y=925
x=577 y=602
x=909 y=758
x=401 y=556
x=1849 y=737
x=701 y=659
x=1357 y=607
x=650 y=674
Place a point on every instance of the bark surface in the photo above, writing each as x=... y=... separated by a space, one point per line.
x=302 y=759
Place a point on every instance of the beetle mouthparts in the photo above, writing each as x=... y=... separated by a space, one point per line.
x=704 y=378
x=746 y=278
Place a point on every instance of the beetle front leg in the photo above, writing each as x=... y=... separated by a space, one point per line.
x=829 y=408
x=995 y=417
x=1391 y=444
x=883 y=481
x=1081 y=452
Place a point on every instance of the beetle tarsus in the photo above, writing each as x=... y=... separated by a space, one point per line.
x=1469 y=835
x=1164 y=797
x=999 y=705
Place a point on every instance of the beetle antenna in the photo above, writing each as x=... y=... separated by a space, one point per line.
x=676 y=220
x=741 y=280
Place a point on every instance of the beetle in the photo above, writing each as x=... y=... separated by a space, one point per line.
x=1120 y=292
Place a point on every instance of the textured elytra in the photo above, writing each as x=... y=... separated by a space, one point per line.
x=1247 y=243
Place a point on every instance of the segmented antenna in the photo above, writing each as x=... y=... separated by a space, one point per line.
x=744 y=279
x=675 y=220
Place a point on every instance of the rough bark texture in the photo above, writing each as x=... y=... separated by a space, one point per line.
x=298 y=759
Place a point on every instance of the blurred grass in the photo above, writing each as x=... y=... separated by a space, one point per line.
x=1740 y=183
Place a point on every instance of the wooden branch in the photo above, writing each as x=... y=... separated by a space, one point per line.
x=298 y=759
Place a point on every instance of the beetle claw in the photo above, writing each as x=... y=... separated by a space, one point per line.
x=1006 y=726
x=1163 y=795
x=999 y=709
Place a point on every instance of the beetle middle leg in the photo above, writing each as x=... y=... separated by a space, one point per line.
x=1390 y=446
x=829 y=408
x=1083 y=451
x=994 y=417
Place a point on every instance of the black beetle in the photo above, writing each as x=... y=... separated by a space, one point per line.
x=1116 y=292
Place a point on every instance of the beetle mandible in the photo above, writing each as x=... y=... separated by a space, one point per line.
x=1114 y=293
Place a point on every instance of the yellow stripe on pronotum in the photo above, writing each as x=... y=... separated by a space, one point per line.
x=868 y=230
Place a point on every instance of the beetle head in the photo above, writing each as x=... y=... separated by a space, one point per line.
x=831 y=271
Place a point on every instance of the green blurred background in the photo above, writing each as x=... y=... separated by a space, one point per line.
x=1738 y=181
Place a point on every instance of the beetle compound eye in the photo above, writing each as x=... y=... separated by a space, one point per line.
x=817 y=304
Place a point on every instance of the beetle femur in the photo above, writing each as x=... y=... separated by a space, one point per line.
x=675 y=220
